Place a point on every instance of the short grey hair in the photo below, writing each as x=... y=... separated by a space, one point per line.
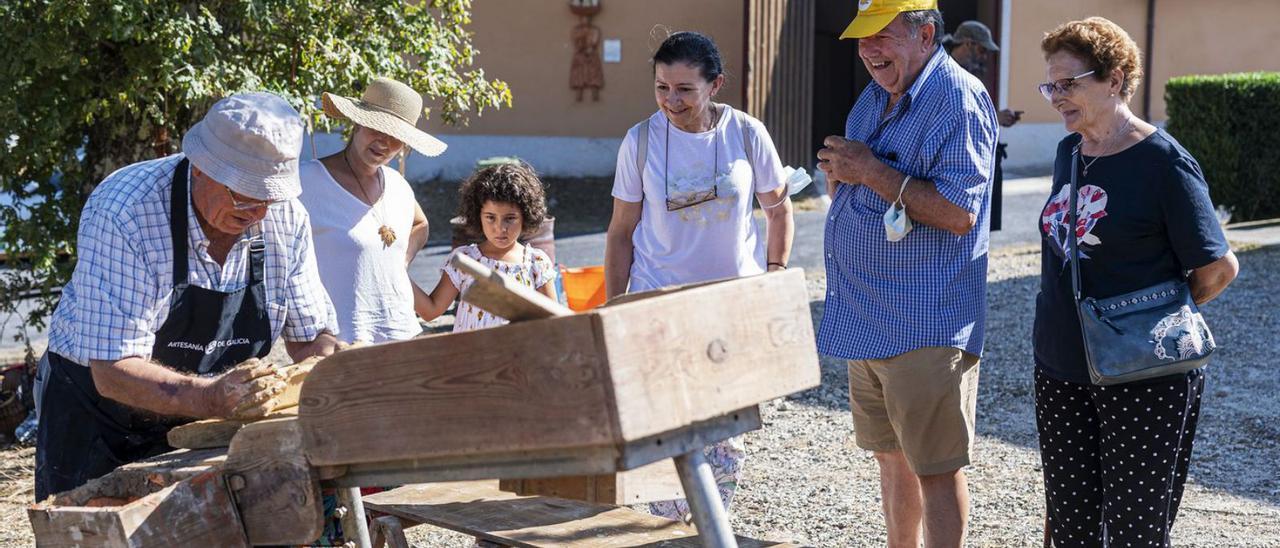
x=919 y=18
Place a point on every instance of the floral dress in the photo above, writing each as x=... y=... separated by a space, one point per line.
x=534 y=270
x=726 y=460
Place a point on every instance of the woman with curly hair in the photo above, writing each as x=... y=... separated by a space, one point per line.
x=504 y=202
x=1115 y=457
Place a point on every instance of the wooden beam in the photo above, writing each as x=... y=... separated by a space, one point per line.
x=138 y=479
x=650 y=483
x=389 y=532
x=673 y=443
x=646 y=473
x=196 y=511
x=517 y=464
x=275 y=488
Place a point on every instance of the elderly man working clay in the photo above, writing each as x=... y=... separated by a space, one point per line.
x=189 y=267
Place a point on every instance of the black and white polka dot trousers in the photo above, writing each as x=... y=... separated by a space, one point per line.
x=1115 y=457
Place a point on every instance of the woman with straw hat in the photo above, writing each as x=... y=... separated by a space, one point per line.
x=366 y=222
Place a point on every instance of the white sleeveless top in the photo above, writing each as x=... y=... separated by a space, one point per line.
x=367 y=281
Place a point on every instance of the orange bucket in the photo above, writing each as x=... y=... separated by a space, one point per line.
x=583 y=287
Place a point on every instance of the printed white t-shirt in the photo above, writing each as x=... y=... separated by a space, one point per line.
x=707 y=241
x=366 y=280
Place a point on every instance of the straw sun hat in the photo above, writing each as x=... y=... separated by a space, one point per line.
x=387 y=106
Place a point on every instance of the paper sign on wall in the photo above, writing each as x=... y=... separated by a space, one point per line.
x=613 y=51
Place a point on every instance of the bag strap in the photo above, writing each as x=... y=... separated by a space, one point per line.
x=642 y=143
x=642 y=148
x=1073 y=254
x=747 y=145
x=746 y=137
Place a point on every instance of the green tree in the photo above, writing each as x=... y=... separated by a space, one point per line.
x=89 y=86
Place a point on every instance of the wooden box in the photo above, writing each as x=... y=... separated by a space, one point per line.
x=617 y=382
x=177 y=499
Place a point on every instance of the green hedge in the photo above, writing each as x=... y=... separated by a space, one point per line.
x=1231 y=124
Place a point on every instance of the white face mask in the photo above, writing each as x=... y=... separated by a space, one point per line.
x=896 y=222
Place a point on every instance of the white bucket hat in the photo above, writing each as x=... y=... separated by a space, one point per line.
x=387 y=106
x=250 y=143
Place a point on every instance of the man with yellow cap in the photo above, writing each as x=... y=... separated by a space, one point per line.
x=906 y=258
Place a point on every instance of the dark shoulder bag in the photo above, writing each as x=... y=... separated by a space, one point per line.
x=1153 y=332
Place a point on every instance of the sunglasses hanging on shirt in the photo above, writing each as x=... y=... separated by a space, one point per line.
x=683 y=199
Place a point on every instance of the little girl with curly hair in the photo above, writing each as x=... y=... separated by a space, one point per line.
x=504 y=202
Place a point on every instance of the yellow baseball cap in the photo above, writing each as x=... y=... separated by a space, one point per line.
x=874 y=15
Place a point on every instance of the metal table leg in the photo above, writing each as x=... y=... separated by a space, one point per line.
x=355 y=527
x=704 y=500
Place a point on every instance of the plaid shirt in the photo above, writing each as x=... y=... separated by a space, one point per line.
x=929 y=289
x=119 y=294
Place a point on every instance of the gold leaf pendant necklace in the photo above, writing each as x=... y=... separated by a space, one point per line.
x=385 y=232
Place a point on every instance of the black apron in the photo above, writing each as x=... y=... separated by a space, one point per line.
x=83 y=435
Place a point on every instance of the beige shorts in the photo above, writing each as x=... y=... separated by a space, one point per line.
x=922 y=403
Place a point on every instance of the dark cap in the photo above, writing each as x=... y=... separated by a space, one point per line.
x=972 y=31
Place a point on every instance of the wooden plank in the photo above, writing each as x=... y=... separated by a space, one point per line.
x=532 y=385
x=642 y=295
x=205 y=434
x=650 y=483
x=692 y=355
x=479 y=509
x=276 y=489
x=196 y=511
x=503 y=297
x=212 y=433
x=545 y=463
x=653 y=482
x=649 y=475
x=518 y=464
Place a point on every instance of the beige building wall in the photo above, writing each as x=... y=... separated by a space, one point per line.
x=1198 y=37
x=1191 y=37
x=1031 y=19
x=526 y=43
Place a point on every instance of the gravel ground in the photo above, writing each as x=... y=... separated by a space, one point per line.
x=806 y=482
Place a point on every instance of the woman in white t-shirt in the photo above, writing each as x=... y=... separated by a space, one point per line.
x=682 y=199
x=365 y=221
x=688 y=217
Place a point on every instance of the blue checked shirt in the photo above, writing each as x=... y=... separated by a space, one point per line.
x=928 y=289
x=119 y=293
